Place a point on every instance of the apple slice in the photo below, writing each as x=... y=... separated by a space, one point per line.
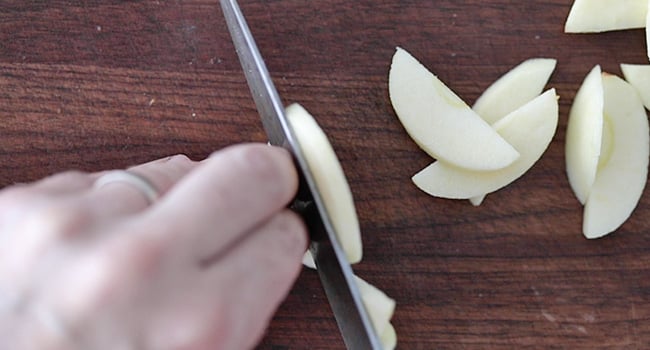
x=329 y=178
x=623 y=165
x=593 y=16
x=388 y=337
x=440 y=122
x=511 y=91
x=380 y=309
x=529 y=129
x=638 y=75
x=514 y=89
x=584 y=135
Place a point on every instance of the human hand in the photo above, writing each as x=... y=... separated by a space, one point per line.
x=101 y=267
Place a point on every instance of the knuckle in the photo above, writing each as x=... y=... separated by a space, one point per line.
x=68 y=176
x=17 y=201
x=57 y=220
x=87 y=285
x=15 y=195
x=142 y=254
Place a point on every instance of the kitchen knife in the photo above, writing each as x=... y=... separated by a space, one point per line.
x=332 y=265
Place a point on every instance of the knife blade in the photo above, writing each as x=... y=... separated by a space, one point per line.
x=335 y=272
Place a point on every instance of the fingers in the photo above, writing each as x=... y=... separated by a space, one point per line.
x=122 y=198
x=228 y=194
x=63 y=183
x=181 y=304
x=231 y=206
x=268 y=261
x=64 y=206
x=229 y=304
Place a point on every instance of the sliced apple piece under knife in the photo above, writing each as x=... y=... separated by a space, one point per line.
x=330 y=180
x=380 y=310
x=529 y=129
x=440 y=122
x=623 y=165
x=337 y=198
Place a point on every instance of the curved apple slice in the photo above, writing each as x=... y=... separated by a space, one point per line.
x=623 y=167
x=638 y=75
x=511 y=91
x=329 y=178
x=514 y=89
x=529 y=129
x=388 y=337
x=440 y=122
x=592 y=16
x=584 y=135
x=379 y=305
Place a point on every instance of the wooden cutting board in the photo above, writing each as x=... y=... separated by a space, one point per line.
x=106 y=84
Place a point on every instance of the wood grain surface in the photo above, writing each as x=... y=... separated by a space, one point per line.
x=105 y=84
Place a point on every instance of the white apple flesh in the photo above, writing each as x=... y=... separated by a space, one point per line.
x=584 y=135
x=638 y=75
x=623 y=168
x=511 y=91
x=388 y=337
x=330 y=180
x=514 y=89
x=529 y=129
x=440 y=122
x=593 y=16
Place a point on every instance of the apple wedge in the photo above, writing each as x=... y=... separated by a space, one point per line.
x=529 y=129
x=584 y=135
x=514 y=89
x=380 y=310
x=511 y=91
x=329 y=178
x=593 y=16
x=388 y=337
x=440 y=122
x=638 y=75
x=623 y=164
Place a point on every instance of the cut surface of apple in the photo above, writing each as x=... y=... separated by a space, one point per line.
x=638 y=75
x=584 y=135
x=330 y=180
x=514 y=89
x=440 y=122
x=623 y=167
x=593 y=16
x=511 y=91
x=529 y=129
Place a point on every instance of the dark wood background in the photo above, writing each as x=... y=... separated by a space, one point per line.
x=105 y=84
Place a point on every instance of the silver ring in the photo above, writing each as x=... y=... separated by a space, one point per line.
x=138 y=182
